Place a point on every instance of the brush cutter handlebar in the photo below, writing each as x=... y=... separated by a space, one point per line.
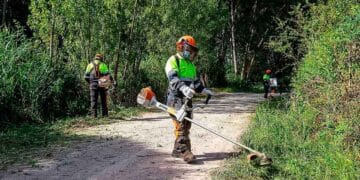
x=187 y=91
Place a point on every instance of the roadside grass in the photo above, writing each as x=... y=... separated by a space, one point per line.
x=315 y=133
x=298 y=147
x=23 y=143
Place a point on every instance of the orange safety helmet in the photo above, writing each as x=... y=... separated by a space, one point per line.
x=99 y=56
x=268 y=71
x=189 y=40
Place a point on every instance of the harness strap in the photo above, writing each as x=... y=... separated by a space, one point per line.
x=177 y=61
x=97 y=71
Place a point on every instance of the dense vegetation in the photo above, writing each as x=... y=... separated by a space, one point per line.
x=34 y=89
x=315 y=133
x=42 y=71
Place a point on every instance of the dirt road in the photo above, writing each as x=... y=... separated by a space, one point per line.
x=139 y=148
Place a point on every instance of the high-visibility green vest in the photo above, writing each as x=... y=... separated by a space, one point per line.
x=184 y=68
x=266 y=77
x=103 y=68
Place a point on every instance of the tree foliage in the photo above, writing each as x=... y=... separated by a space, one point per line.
x=137 y=37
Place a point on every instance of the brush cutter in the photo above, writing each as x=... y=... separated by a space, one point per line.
x=147 y=98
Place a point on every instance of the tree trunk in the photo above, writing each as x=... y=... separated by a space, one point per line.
x=124 y=74
x=250 y=66
x=116 y=68
x=117 y=61
x=129 y=66
x=233 y=42
x=246 y=60
x=52 y=33
x=89 y=51
x=220 y=79
x=3 y=23
x=118 y=50
x=250 y=51
x=247 y=67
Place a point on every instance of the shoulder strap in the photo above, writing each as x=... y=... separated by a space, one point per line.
x=96 y=68
x=177 y=61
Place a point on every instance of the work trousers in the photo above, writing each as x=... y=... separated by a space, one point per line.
x=181 y=129
x=266 y=88
x=95 y=91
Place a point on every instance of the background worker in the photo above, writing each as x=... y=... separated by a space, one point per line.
x=98 y=76
x=266 y=82
x=183 y=83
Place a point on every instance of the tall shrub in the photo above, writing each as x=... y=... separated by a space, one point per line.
x=33 y=88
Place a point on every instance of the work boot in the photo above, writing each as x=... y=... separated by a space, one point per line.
x=178 y=149
x=188 y=156
x=182 y=149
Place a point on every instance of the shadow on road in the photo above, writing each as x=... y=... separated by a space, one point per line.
x=157 y=118
x=96 y=158
x=235 y=103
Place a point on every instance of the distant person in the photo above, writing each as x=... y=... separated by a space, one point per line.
x=183 y=84
x=98 y=76
x=273 y=85
x=266 y=82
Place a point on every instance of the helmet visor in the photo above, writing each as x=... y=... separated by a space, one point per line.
x=190 y=48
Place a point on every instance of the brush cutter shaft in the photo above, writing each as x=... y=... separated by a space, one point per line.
x=228 y=139
x=161 y=106
x=147 y=98
x=180 y=115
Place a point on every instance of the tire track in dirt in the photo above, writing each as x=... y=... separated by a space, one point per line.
x=140 y=148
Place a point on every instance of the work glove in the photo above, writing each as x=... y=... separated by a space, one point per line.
x=207 y=91
x=114 y=83
x=187 y=91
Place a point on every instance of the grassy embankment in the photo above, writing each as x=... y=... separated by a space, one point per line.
x=314 y=133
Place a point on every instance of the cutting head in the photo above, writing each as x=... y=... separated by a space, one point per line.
x=259 y=159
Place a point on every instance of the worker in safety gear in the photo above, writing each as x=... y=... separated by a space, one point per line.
x=183 y=84
x=266 y=81
x=98 y=76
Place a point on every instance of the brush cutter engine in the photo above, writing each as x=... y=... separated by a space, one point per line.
x=105 y=82
x=147 y=98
